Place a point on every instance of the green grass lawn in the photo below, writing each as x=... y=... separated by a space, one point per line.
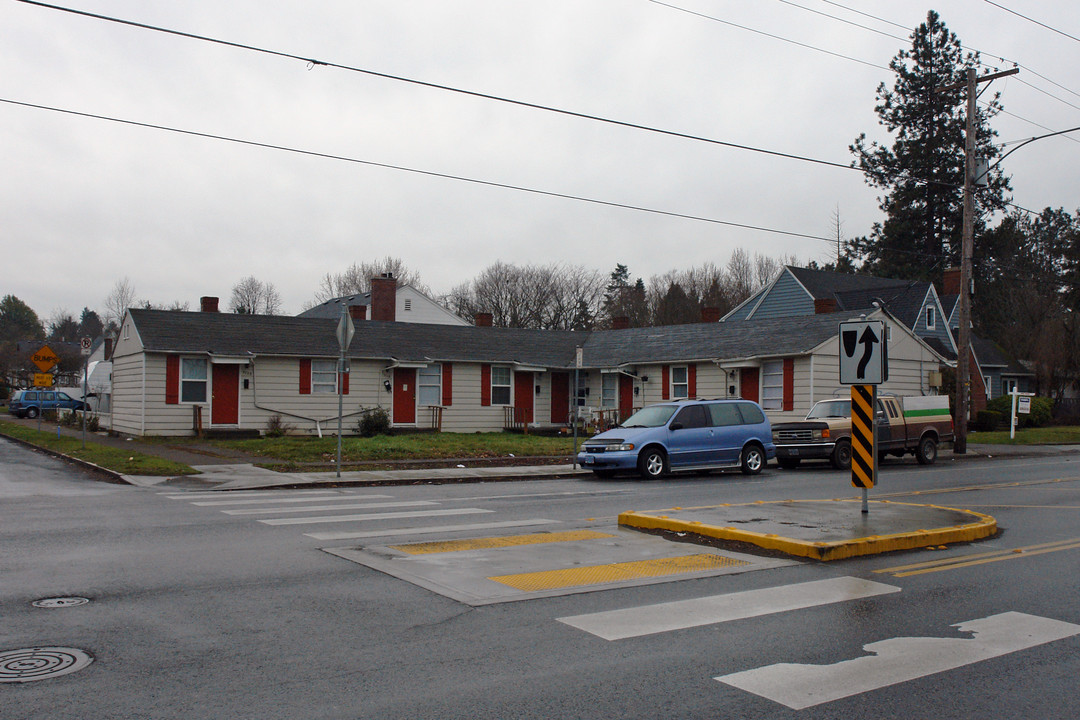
x=122 y=460
x=1063 y=435
x=411 y=446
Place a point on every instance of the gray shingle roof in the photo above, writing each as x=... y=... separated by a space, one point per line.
x=238 y=335
x=903 y=298
x=332 y=307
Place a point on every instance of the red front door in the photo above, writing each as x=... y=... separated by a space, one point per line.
x=560 y=398
x=626 y=396
x=523 y=397
x=749 y=385
x=404 y=396
x=225 y=395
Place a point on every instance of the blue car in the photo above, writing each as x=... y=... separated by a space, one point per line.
x=685 y=435
x=30 y=403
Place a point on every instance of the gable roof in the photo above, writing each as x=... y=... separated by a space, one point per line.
x=224 y=334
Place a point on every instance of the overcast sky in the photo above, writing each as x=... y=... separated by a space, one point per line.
x=85 y=202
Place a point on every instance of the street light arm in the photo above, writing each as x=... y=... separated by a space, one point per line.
x=1028 y=142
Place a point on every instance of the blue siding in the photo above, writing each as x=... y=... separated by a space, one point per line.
x=786 y=298
x=742 y=312
x=941 y=327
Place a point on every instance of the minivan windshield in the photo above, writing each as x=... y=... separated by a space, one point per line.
x=654 y=416
x=830 y=409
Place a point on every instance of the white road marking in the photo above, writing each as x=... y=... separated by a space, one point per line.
x=664 y=617
x=395 y=532
x=277 y=499
x=372 y=516
x=357 y=506
x=899 y=659
x=243 y=494
x=514 y=496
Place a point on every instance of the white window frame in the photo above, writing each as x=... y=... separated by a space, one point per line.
x=988 y=386
x=609 y=390
x=501 y=387
x=931 y=317
x=189 y=380
x=324 y=377
x=582 y=388
x=680 y=388
x=772 y=385
x=1008 y=385
x=429 y=385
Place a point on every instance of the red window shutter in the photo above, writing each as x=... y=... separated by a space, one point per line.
x=665 y=381
x=344 y=383
x=172 y=380
x=789 y=384
x=447 y=384
x=485 y=385
x=305 y=377
x=691 y=381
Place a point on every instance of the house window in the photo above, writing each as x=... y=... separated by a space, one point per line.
x=1007 y=385
x=582 y=388
x=680 y=383
x=931 y=318
x=324 y=376
x=193 y=380
x=610 y=384
x=429 y=382
x=988 y=386
x=500 y=385
x=772 y=385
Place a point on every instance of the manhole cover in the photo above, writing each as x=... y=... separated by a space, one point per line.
x=60 y=602
x=40 y=663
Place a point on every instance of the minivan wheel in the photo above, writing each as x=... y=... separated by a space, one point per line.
x=753 y=459
x=31 y=413
x=652 y=463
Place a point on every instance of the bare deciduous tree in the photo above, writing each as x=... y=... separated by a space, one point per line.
x=252 y=296
x=356 y=279
x=118 y=301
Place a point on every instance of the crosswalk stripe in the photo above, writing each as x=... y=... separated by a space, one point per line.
x=680 y=614
x=372 y=516
x=242 y=494
x=277 y=499
x=321 y=508
x=396 y=532
x=898 y=660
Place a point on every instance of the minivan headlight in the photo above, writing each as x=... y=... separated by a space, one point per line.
x=621 y=447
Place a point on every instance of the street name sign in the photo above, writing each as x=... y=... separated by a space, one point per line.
x=864 y=353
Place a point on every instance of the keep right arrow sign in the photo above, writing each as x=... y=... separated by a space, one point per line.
x=863 y=353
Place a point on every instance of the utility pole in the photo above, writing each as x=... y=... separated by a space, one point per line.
x=963 y=340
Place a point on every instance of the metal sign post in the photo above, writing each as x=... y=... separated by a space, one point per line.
x=45 y=359
x=577 y=369
x=864 y=364
x=345 y=331
x=85 y=346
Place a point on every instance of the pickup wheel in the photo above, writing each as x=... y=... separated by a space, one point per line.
x=789 y=463
x=841 y=455
x=652 y=463
x=926 y=451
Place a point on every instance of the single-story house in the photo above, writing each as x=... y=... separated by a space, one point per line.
x=174 y=371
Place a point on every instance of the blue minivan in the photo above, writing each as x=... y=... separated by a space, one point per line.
x=684 y=435
x=30 y=403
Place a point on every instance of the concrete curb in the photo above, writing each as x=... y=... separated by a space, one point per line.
x=112 y=475
x=980 y=527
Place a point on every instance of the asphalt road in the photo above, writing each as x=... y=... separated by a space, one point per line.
x=200 y=611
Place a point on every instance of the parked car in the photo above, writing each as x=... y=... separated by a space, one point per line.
x=685 y=435
x=30 y=403
x=914 y=424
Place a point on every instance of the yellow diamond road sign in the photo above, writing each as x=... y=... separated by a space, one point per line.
x=45 y=358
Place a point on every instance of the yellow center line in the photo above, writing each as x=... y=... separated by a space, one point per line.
x=979 y=558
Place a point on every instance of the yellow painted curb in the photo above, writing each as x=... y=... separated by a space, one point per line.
x=981 y=527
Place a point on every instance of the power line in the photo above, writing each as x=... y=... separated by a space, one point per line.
x=436 y=86
x=760 y=32
x=1032 y=20
x=417 y=171
x=846 y=22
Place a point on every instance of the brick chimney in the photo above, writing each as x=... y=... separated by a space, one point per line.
x=384 y=297
x=482 y=319
x=950 y=281
x=710 y=314
x=358 y=312
x=620 y=323
x=208 y=304
x=824 y=306
x=108 y=348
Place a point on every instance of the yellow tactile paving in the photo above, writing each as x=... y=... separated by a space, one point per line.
x=498 y=542
x=615 y=572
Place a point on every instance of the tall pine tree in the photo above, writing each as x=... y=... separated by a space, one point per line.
x=922 y=173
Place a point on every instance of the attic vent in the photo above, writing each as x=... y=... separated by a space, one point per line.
x=408 y=304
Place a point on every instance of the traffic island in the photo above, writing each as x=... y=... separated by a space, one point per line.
x=821 y=529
